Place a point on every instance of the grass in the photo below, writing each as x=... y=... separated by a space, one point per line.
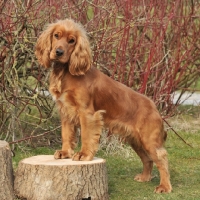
x=123 y=164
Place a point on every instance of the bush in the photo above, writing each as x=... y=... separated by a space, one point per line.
x=151 y=46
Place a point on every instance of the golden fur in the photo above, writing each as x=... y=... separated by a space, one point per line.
x=87 y=98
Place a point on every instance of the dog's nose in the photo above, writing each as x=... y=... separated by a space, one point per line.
x=59 y=52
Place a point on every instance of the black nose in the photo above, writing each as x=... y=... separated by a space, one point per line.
x=59 y=52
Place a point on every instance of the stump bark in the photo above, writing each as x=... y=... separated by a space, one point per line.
x=44 y=178
x=6 y=172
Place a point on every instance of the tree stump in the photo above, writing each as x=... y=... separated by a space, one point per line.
x=44 y=178
x=6 y=172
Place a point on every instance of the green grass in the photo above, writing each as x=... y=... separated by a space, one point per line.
x=184 y=166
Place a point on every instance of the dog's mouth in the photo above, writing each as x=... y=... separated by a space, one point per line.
x=58 y=64
x=55 y=59
x=59 y=59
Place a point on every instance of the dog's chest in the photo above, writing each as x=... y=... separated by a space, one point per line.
x=55 y=87
x=64 y=100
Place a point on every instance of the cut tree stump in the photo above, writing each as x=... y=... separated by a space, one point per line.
x=44 y=178
x=6 y=172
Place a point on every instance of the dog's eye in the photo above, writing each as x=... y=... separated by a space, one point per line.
x=71 y=41
x=56 y=35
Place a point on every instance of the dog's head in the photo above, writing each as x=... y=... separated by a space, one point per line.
x=65 y=42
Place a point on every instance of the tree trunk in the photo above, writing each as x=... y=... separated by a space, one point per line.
x=6 y=172
x=43 y=177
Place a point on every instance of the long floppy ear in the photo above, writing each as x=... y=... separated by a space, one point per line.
x=43 y=47
x=80 y=60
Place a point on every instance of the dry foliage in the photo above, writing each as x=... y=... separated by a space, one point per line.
x=151 y=46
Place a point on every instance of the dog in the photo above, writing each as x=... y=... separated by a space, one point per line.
x=87 y=98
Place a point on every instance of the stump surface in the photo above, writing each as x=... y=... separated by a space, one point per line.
x=43 y=177
x=6 y=172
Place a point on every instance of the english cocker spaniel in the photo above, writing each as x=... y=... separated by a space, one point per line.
x=88 y=98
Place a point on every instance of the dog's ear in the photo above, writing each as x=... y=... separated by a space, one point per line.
x=43 y=47
x=80 y=59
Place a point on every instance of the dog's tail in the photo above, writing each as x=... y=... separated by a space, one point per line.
x=164 y=135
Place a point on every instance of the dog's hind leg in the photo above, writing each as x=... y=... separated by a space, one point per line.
x=152 y=137
x=153 y=146
x=147 y=165
x=159 y=156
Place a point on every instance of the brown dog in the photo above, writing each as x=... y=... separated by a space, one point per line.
x=89 y=99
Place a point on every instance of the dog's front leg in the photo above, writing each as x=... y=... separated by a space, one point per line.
x=68 y=141
x=91 y=127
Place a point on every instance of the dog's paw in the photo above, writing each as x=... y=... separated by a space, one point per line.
x=80 y=156
x=59 y=154
x=142 y=178
x=163 y=189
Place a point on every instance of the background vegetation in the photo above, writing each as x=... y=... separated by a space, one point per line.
x=151 y=46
